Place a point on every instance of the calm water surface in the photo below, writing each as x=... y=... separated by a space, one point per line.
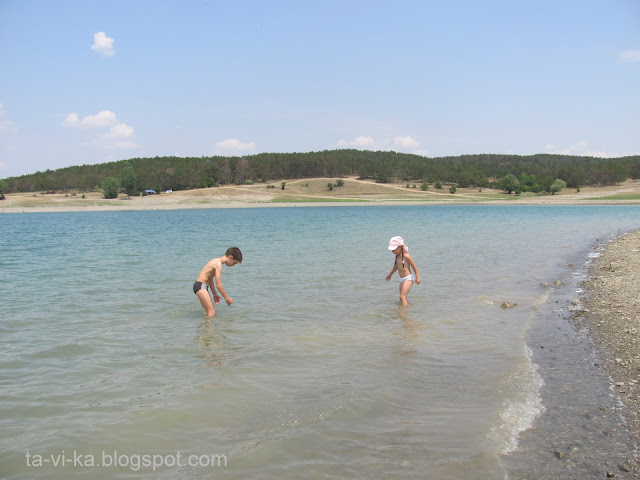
x=315 y=370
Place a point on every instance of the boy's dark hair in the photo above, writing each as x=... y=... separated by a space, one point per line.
x=235 y=253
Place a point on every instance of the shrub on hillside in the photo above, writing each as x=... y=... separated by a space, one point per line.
x=110 y=187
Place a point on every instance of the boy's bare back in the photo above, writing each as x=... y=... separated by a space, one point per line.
x=208 y=272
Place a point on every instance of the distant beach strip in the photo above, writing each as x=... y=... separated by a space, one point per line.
x=312 y=192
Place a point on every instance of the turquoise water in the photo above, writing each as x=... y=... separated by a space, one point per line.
x=315 y=370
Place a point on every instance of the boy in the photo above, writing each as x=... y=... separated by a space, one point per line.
x=212 y=269
x=403 y=264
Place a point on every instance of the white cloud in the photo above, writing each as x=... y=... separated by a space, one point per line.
x=119 y=135
x=405 y=142
x=72 y=120
x=103 y=44
x=105 y=118
x=409 y=145
x=364 y=142
x=582 y=149
x=575 y=149
x=629 y=56
x=420 y=151
x=358 y=142
x=233 y=145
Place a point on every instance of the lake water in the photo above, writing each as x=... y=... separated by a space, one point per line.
x=109 y=366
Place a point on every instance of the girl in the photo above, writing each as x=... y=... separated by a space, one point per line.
x=403 y=264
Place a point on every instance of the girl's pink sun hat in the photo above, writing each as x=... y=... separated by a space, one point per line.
x=396 y=242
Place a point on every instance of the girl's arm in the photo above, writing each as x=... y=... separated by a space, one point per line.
x=392 y=272
x=412 y=264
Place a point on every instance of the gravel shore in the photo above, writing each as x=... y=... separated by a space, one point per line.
x=587 y=351
x=612 y=319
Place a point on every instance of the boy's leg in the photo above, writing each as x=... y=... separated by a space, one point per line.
x=404 y=291
x=205 y=300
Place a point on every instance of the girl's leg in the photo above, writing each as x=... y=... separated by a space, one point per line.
x=404 y=291
x=205 y=301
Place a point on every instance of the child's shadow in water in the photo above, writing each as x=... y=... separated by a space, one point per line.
x=410 y=326
x=210 y=340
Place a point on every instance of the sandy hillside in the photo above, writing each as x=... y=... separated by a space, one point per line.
x=310 y=191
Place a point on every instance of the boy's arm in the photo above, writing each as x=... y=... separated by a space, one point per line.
x=415 y=268
x=216 y=297
x=213 y=266
x=221 y=288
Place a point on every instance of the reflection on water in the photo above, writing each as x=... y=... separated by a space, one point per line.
x=210 y=341
x=408 y=322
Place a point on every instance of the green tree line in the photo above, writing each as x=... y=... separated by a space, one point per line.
x=182 y=173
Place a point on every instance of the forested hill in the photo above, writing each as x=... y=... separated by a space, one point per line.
x=177 y=173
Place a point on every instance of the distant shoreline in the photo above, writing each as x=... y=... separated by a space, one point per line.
x=312 y=192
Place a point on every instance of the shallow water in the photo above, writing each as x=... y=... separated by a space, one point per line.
x=314 y=369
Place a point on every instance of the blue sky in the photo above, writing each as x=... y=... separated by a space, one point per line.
x=85 y=82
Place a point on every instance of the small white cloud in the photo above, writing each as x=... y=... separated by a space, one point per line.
x=629 y=56
x=364 y=142
x=358 y=142
x=72 y=120
x=233 y=145
x=102 y=119
x=420 y=151
x=119 y=135
x=399 y=143
x=121 y=130
x=406 y=142
x=409 y=145
x=582 y=149
x=103 y=44
x=105 y=118
x=576 y=149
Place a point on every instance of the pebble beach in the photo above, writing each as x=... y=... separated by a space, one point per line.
x=612 y=320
